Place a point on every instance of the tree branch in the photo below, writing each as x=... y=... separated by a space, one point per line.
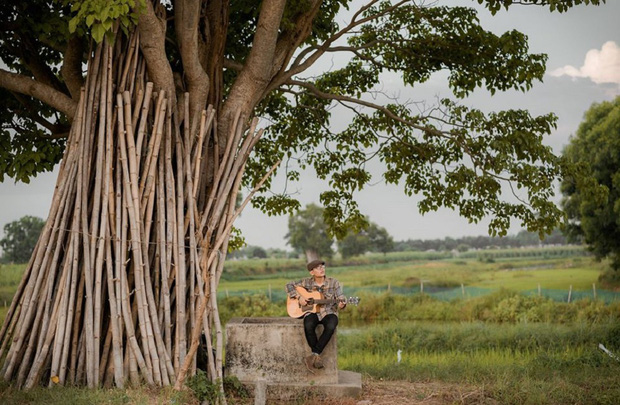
x=291 y=40
x=215 y=31
x=300 y=64
x=47 y=94
x=29 y=54
x=57 y=130
x=329 y=96
x=71 y=70
x=186 y=18
x=251 y=82
x=152 y=43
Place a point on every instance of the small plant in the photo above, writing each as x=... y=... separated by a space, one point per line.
x=234 y=387
x=203 y=388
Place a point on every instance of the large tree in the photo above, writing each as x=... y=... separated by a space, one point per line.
x=592 y=202
x=308 y=233
x=20 y=238
x=158 y=136
x=372 y=238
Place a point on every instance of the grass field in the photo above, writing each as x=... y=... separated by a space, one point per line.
x=513 y=364
x=515 y=348
x=517 y=274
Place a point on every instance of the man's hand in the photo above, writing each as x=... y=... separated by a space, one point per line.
x=302 y=301
x=342 y=304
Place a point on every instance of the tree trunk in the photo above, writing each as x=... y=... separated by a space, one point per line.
x=124 y=278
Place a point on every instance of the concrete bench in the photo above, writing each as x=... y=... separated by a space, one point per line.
x=271 y=351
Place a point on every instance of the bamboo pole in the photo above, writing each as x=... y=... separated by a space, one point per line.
x=124 y=278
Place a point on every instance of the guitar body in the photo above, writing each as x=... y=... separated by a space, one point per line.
x=296 y=310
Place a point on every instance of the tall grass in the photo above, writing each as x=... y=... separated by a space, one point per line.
x=10 y=277
x=512 y=364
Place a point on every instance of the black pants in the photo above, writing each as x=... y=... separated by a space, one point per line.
x=311 y=321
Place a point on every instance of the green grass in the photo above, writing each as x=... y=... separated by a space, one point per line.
x=518 y=275
x=513 y=364
x=517 y=349
x=10 y=277
x=559 y=277
x=77 y=396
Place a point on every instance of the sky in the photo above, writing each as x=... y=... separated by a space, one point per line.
x=583 y=67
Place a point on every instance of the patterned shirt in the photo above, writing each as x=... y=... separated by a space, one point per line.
x=330 y=289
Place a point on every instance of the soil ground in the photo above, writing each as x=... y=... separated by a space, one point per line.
x=379 y=392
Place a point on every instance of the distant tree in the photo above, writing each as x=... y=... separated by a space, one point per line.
x=372 y=239
x=307 y=232
x=525 y=238
x=556 y=237
x=259 y=253
x=277 y=253
x=462 y=247
x=354 y=244
x=592 y=202
x=380 y=240
x=20 y=238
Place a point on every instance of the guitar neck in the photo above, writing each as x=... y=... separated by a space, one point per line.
x=325 y=301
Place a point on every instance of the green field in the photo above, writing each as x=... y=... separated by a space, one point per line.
x=510 y=364
x=479 y=321
x=395 y=270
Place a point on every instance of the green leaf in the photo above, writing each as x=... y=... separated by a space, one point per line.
x=98 y=31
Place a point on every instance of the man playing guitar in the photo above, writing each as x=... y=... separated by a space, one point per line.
x=326 y=315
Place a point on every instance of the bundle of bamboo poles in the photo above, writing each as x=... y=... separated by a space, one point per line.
x=122 y=282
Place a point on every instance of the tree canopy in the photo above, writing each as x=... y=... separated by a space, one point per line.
x=592 y=202
x=256 y=57
x=20 y=238
x=308 y=233
x=372 y=238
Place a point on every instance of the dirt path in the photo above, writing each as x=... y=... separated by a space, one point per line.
x=376 y=392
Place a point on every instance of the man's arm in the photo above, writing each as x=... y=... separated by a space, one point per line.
x=290 y=288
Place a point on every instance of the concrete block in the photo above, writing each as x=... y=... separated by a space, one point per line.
x=273 y=349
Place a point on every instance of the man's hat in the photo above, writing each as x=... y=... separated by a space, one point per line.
x=314 y=264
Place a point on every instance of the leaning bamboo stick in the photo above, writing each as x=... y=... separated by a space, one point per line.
x=42 y=356
x=181 y=275
x=115 y=316
x=66 y=345
x=165 y=273
x=129 y=198
x=61 y=326
x=99 y=216
x=81 y=218
x=32 y=289
x=142 y=113
x=203 y=304
x=148 y=176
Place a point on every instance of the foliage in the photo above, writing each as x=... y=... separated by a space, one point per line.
x=308 y=233
x=20 y=238
x=449 y=154
x=371 y=239
x=259 y=252
x=203 y=388
x=427 y=160
x=592 y=203
x=99 y=16
x=521 y=239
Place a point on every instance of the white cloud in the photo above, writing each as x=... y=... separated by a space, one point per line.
x=600 y=66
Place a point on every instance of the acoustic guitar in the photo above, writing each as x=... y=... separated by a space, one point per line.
x=314 y=300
